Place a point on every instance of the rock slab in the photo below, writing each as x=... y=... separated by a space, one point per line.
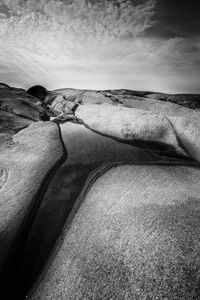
x=134 y=234
x=27 y=161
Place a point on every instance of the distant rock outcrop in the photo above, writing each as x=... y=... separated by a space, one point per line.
x=126 y=97
x=186 y=100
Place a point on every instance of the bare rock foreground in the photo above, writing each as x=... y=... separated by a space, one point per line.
x=134 y=234
x=109 y=209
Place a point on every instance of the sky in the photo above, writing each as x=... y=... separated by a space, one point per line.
x=99 y=44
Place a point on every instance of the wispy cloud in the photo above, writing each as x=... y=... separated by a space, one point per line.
x=76 y=29
x=75 y=42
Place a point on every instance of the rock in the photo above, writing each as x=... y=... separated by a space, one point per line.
x=133 y=234
x=17 y=102
x=155 y=132
x=136 y=127
x=155 y=122
x=125 y=97
x=30 y=153
x=157 y=125
x=111 y=122
x=186 y=100
x=27 y=164
x=86 y=151
x=17 y=111
x=11 y=124
x=86 y=147
x=4 y=86
x=102 y=140
x=4 y=173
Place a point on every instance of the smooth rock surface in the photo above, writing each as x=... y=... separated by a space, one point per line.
x=144 y=129
x=87 y=147
x=136 y=118
x=134 y=234
x=86 y=151
x=26 y=163
x=30 y=153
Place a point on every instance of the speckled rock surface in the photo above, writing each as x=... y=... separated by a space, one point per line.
x=138 y=127
x=112 y=122
x=134 y=234
x=144 y=129
x=25 y=164
x=86 y=151
x=87 y=147
x=140 y=118
x=30 y=153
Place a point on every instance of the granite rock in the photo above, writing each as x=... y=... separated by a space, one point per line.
x=133 y=234
x=124 y=238
x=26 y=164
x=30 y=153
x=86 y=151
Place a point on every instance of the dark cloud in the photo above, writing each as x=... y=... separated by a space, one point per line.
x=176 y=18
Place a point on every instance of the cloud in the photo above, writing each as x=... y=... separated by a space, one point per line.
x=74 y=25
x=51 y=41
x=73 y=31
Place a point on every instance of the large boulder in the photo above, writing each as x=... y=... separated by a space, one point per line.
x=30 y=154
x=28 y=161
x=86 y=147
x=155 y=132
x=134 y=233
x=146 y=123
